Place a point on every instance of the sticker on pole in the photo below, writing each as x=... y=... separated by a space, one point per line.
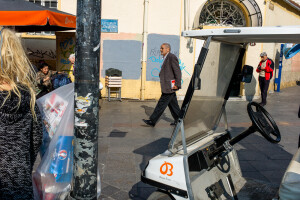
x=82 y=104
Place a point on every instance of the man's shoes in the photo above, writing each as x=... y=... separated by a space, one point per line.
x=149 y=122
x=262 y=104
x=173 y=124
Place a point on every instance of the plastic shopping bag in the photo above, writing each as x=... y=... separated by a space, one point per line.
x=52 y=179
x=53 y=107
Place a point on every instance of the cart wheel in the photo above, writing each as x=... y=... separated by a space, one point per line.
x=158 y=195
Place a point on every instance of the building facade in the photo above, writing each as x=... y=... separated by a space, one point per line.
x=133 y=30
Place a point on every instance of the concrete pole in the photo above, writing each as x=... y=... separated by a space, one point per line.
x=84 y=184
x=145 y=46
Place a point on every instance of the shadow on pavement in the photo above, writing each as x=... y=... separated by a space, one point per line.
x=149 y=111
x=256 y=189
x=262 y=163
x=148 y=151
x=250 y=89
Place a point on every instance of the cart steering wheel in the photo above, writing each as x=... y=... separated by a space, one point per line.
x=263 y=122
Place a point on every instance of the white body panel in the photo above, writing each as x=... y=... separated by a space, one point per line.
x=167 y=170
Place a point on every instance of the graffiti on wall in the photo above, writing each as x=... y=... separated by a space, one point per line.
x=45 y=50
x=41 y=54
x=66 y=46
x=158 y=59
x=155 y=59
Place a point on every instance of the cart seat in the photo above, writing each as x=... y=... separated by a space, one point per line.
x=290 y=184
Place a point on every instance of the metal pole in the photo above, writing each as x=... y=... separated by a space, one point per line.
x=278 y=80
x=84 y=184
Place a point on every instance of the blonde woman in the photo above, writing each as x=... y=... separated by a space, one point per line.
x=20 y=121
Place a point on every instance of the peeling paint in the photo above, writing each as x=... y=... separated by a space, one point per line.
x=79 y=170
x=80 y=122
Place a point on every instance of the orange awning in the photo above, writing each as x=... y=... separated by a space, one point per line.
x=26 y=17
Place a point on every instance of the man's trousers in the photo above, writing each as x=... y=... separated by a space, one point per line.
x=264 y=86
x=165 y=100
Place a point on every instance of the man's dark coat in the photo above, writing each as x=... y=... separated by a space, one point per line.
x=170 y=70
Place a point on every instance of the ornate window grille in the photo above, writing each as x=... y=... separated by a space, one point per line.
x=222 y=13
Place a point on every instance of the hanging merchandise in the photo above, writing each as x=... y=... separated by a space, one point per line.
x=52 y=107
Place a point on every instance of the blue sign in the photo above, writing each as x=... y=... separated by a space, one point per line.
x=62 y=159
x=109 y=25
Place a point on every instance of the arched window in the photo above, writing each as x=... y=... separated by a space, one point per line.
x=222 y=13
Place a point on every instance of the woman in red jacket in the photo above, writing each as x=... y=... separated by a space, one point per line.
x=265 y=69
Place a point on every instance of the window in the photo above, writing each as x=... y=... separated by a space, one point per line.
x=49 y=4
x=222 y=13
x=46 y=3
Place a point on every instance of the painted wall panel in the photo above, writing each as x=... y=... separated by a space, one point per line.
x=124 y=55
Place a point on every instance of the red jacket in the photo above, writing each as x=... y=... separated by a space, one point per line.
x=268 y=70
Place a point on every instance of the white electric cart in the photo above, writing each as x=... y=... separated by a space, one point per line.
x=200 y=162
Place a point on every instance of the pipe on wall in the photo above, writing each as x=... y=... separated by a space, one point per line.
x=186 y=15
x=145 y=46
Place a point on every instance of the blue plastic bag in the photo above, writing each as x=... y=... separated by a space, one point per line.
x=60 y=80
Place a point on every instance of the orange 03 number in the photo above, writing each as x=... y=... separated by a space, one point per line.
x=165 y=168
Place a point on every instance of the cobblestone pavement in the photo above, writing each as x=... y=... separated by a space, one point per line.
x=126 y=144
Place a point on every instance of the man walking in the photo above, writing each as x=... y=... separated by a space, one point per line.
x=170 y=81
x=265 y=69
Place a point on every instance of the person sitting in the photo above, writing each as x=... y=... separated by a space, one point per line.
x=43 y=79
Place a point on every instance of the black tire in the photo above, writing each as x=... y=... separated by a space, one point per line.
x=157 y=195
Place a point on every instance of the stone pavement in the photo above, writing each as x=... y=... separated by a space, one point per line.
x=126 y=144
